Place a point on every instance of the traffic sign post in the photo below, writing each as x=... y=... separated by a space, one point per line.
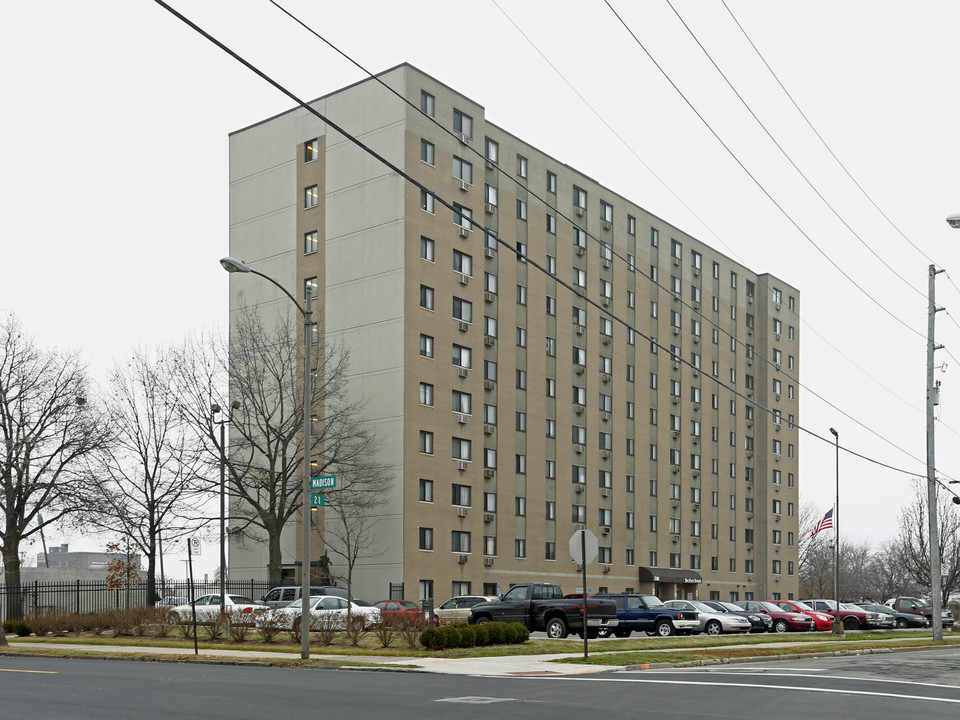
x=584 y=548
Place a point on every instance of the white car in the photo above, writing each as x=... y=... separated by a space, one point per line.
x=711 y=622
x=208 y=607
x=329 y=606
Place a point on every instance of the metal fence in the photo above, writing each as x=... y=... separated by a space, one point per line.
x=95 y=596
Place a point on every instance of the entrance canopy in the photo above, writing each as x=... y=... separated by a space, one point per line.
x=669 y=575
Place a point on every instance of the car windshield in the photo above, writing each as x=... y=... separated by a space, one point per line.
x=851 y=606
x=701 y=606
x=410 y=605
x=652 y=601
x=802 y=606
x=732 y=607
x=240 y=600
x=769 y=606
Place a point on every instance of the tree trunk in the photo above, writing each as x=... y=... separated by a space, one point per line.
x=274 y=565
x=152 y=596
x=11 y=579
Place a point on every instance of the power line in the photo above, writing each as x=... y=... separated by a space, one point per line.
x=521 y=258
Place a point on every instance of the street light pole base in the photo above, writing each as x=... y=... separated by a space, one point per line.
x=837 y=628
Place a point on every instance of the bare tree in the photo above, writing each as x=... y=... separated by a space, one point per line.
x=888 y=575
x=913 y=541
x=46 y=428
x=262 y=369
x=146 y=480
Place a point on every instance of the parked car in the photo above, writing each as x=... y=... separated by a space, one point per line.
x=208 y=607
x=851 y=619
x=710 y=621
x=329 y=606
x=457 y=609
x=900 y=619
x=647 y=613
x=542 y=607
x=919 y=607
x=759 y=622
x=783 y=620
x=874 y=619
x=394 y=608
x=172 y=601
x=280 y=597
x=821 y=621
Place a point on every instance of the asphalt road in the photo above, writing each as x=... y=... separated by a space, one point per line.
x=879 y=687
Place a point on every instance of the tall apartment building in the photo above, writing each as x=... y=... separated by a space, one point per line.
x=582 y=363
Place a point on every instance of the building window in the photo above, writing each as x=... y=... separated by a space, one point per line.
x=311 y=150
x=489 y=502
x=427 y=103
x=521 y=166
x=490 y=545
x=426 y=201
x=426 y=346
x=551 y=224
x=550 y=551
x=654 y=237
x=426 y=152
x=521 y=337
x=460 y=448
x=426 y=538
x=460 y=495
x=310 y=288
x=579 y=197
x=426 y=297
x=521 y=209
x=459 y=541
x=427 y=249
x=551 y=182
x=462 y=402
x=463 y=124
x=426 y=394
x=310 y=242
x=606 y=211
x=551 y=510
x=462 y=170
x=426 y=490
x=426 y=442
x=311 y=197
x=462 y=309
x=490 y=194
x=520 y=548
x=520 y=506
x=578 y=514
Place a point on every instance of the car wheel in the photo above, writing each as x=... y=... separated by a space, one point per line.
x=483 y=619
x=604 y=632
x=664 y=628
x=780 y=626
x=713 y=628
x=557 y=628
x=624 y=633
x=901 y=623
x=851 y=623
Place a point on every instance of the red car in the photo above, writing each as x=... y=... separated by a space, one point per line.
x=782 y=620
x=852 y=619
x=821 y=621
x=393 y=608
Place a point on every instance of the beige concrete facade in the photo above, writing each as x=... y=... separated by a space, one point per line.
x=575 y=414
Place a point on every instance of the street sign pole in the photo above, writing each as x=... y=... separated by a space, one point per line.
x=583 y=566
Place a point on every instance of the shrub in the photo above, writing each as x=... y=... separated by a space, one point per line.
x=495 y=633
x=17 y=627
x=239 y=625
x=410 y=626
x=482 y=634
x=468 y=635
x=356 y=627
x=270 y=624
x=165 y=622
x=141 y=618
x=386 y=630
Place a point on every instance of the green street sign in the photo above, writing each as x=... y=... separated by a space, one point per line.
x=317 y=500
x=324 y=482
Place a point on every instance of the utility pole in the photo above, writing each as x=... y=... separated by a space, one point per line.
x=933 y=399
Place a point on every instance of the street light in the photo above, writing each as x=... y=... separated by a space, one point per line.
x=837 y=623
x=214 y=409
x=232 y=265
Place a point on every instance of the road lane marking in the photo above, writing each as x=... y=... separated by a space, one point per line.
x=36 y=672
x=768 y=673
x=800 y=688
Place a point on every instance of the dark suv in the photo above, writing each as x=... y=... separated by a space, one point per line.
x=283 y=596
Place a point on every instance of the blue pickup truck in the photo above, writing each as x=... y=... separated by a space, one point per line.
x=647 y=613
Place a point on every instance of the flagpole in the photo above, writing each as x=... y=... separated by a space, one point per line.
x=837 y=623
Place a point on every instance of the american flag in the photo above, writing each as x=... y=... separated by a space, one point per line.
x=826 y=522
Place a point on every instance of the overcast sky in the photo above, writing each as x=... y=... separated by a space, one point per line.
x=114 y=169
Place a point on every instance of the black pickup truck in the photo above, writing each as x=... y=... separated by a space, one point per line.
x=542 y=607
x=647 y=613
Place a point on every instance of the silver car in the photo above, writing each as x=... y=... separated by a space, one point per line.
x=711 y=621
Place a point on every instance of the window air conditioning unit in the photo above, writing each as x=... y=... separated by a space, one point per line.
x=749 y=578
x=581 y=250
x=461 y=418
x=606 y=300
x=488 y=340
x=749 y=299
x=676 y=363
x=605 y=378
x=749 y=456
x=580 y=369
x=462 y=465
x=489 y=429
x=489 y=517
x=776 y=548
x=776 y=396
x=676 y=468
x=581 y=330
x=696 y=339
x=578 y=488
x=776 y=336
x=464 y=279
x=776 y=428
x=776 y=366
x=676 y=538
x=605 y=416
x=695 y=473
x=777 y=458
x=578 y=449
x=605 y=492
x=489 y=207
x=464 y=372
x=749 y=516
x=463 y=326
x=749 y=423
x=491 y=165
x=604 y=454
x=606 y=530
x=696 y=307
x=676 y=434
x=776 y=578
x=676 y=331
x=464 y=185
x=675 y=503
x=462 y=512
x=462 y=559
x=489 y=297
x=696 y=272
x=696 y=541
x=579 y=211
x=491 y=253
x=464 y=232
x=749 y=331
x=676 y=261
x=606 y=263
x=696 y=506
x=676 y=399
x=696 y=407
x=607 y=339
x=605 y=224
x=488 y=561
x=578 y=409
x=489 y=473
x=777 y=518
x=606 y=568
x=696 y=439
x=489 y=385
x=750 y=362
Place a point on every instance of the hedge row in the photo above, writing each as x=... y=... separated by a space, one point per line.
x=464 y=636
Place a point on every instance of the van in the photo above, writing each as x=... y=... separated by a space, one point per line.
x=283 y=596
